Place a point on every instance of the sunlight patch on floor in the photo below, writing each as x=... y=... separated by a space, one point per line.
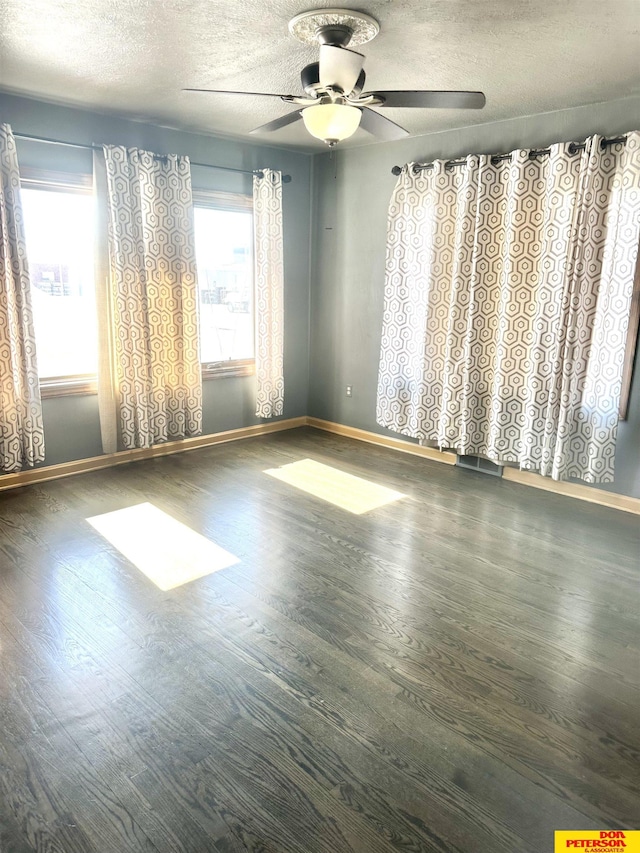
x=168 y=552
x=337 y=487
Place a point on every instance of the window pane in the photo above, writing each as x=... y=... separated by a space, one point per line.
x=224 y=241
x=59 y=234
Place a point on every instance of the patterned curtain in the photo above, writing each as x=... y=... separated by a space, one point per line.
x=151 y=299
x=21 y=430
x=507 y=299
x=269 y=293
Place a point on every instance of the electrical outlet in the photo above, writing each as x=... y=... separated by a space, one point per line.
x=349 y=390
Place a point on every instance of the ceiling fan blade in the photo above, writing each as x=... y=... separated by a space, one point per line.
x=380 y=126
x=277 y=123
x=339 y=68
x=435 y=100
x=225 y=92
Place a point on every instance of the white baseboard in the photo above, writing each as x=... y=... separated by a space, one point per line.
x=526 y=478
x=108 y=460
x=573 y=490
x=384 y=441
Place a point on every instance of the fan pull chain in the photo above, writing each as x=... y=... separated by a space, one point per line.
x=332 y=157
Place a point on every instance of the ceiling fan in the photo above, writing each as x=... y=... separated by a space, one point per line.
x=335 y=105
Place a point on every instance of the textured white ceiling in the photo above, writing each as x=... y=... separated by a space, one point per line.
x=132 y=57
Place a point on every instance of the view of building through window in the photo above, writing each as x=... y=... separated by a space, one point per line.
x=59 y=235
x=224 y=240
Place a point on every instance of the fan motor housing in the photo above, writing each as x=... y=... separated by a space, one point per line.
x=310 y=78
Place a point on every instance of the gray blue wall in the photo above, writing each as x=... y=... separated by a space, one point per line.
x=335 y=223
x=72 y=429
x=351 y=195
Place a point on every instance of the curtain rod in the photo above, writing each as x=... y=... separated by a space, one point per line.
x=574 y=147
x=285 y=178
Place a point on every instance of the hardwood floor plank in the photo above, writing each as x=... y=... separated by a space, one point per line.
x=291 y=727
x=331 y=700
x=454 y=603
x=451 y=709
x=492 y=679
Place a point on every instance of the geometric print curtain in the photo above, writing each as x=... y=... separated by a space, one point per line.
x=151 y=299
x=507 y=299
x=21 y=429
x=269 y=293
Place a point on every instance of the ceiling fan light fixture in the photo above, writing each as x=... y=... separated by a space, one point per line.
x=334 y=104
x=331 y=122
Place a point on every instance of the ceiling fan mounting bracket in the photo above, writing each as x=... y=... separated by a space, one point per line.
x=338 y=35
x=340 y=27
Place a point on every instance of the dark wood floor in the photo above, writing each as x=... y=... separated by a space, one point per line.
x=457 y=671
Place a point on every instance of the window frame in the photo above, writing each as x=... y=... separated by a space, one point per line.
x=233 y=203
x=79 y=183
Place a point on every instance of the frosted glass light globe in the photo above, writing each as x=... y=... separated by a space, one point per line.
x=331 y=122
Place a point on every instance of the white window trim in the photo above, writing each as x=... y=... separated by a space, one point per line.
x=66 y=386
x=46 y=179
x=222 y=200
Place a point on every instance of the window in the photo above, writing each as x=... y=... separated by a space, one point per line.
x=60 y=248
x=224 y=256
